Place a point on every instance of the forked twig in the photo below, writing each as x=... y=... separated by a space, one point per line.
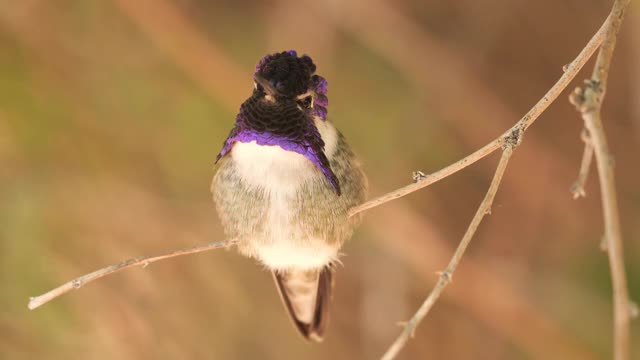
x=570 y=72
x=447 y=275
x=588 y=101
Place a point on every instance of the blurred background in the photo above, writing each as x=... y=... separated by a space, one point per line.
x=112 y=113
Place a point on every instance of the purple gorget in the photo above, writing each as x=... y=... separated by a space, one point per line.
x=286 y=120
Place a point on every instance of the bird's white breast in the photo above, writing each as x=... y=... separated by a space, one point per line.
x=278 y=170
x=280 y=173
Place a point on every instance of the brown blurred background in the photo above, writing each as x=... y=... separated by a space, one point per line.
x=112 y=112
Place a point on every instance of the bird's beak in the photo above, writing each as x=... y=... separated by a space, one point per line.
x=266 y=85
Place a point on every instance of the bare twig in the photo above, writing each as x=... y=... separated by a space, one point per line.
x=423 y=245
x=377 y=24
x=447 y=275
x=577 y=189
x=588 y=100
x=570 y=72
x=78 y=282
x=600 y=75
x=613 y=234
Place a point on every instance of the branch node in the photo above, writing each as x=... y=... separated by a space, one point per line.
x=578 y=191
x=76 y=283
x=408 y=325
x=418 y=176
x=587 y=98
x=412 y=324
x=513 y=139
x=445 y=276
x=145 y=264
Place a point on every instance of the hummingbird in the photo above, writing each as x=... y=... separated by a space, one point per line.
x=284 y=182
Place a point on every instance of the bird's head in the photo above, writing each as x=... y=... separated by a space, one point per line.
x=286 y=101
x=285 y=78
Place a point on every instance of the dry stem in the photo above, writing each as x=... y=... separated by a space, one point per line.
x=600 y=75
x=78 y=282
x=613 y=235
x=577 y=189
x=588 y=100
x=570 y=72
x=447 y=275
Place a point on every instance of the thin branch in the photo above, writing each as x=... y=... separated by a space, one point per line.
x=447 y=275
x=570 y=72
x=600 y=75
x=78 y=282
x=613 y=236
x=577 y=189
x=588 y=100
x=423 y=245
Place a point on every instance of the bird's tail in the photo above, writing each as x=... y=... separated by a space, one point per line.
x=306 y=295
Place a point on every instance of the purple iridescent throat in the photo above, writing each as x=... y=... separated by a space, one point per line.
x=282 y=123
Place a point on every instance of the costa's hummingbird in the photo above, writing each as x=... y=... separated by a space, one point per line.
x=284 y=183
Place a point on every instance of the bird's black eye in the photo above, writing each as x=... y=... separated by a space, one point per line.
x=259 y=88
x=305 y=102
